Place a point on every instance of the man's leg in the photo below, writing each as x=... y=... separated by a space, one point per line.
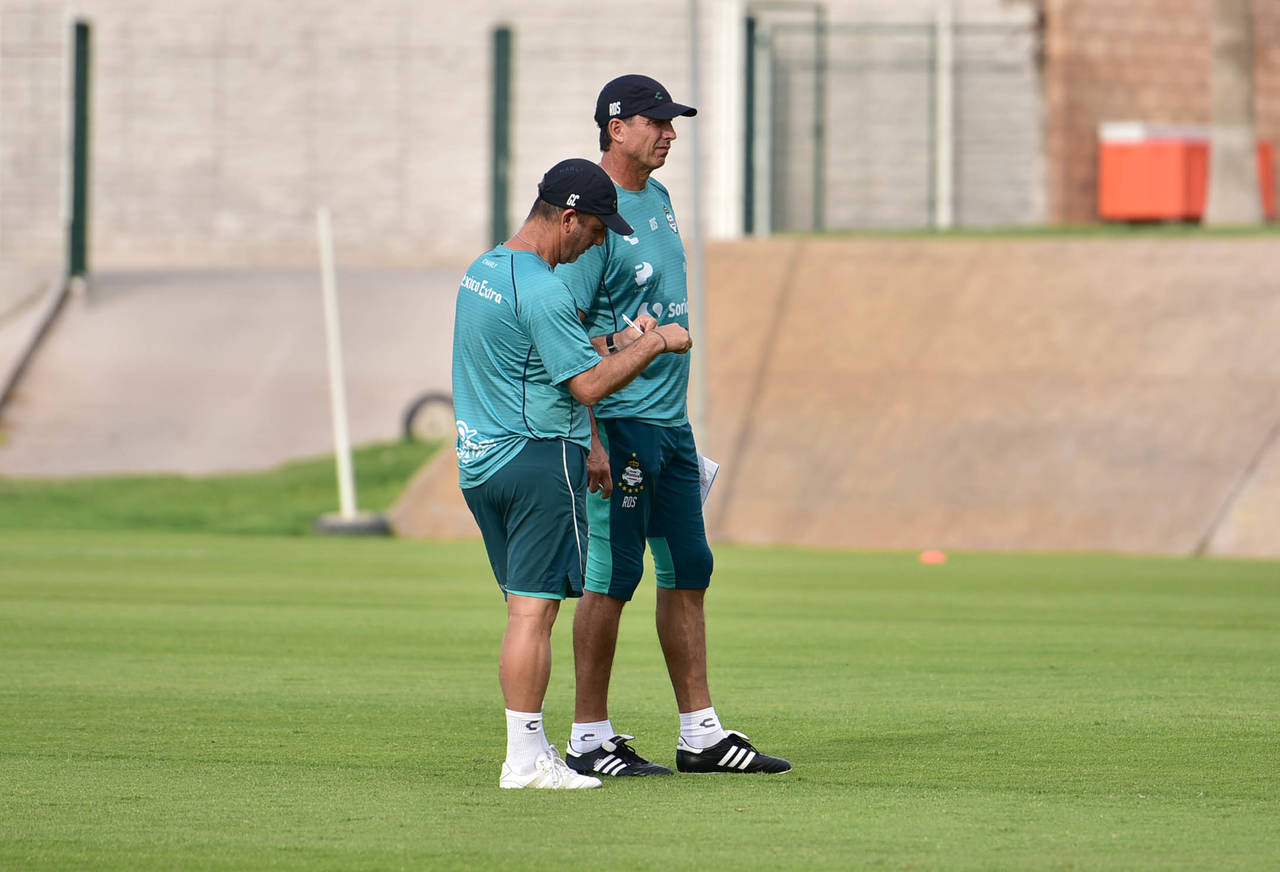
x=524 y=669
x=684 y=564
x=528 y=514
x=524 y=666
x=595 y=639
x=682 y=632
x=615 y=563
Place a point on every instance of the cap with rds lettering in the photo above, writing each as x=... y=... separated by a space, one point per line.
x=580 y=185
x=637 y=95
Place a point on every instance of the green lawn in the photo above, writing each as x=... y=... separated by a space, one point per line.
x=1115 y=230
x=197 y=701
x=285 y=500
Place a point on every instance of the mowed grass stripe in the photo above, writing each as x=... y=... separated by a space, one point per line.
x=241 y=702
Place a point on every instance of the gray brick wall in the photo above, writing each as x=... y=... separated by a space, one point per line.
x=220 y=125
x=32 y=82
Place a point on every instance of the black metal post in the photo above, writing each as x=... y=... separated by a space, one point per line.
x=749 y=140
x=78 y=238
x=501 y=167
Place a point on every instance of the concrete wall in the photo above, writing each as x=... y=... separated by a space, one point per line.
x=220 y=125
x=1115 y=395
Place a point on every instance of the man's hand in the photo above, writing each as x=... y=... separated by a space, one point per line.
x=678 y=339
x=599 y=477
x=644 y=322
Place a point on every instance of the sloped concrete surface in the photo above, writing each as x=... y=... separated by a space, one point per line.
x=196 y=372
x=1051 y=394
x=991 y=394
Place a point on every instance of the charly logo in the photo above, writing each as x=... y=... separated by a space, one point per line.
x=632 y=240
x=644 y=271
x=671 y=219
x=470 y=448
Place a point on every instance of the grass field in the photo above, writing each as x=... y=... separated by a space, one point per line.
x=191 y=700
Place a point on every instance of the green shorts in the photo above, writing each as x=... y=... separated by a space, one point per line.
x=657 y=498
x=532 y=516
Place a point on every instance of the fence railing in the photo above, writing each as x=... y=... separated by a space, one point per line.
x=866 y=125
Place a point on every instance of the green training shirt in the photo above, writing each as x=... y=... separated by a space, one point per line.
x=516 y=340
x=635 y=275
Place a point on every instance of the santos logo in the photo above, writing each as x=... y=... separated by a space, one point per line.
x=644 y=271
x=671 y=310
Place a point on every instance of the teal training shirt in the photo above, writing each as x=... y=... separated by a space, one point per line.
x=516 y=340
x=635 y=275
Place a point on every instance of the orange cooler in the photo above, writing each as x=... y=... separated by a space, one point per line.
x=1160 y=172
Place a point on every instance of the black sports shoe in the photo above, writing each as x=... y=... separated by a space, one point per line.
x=614 y=757
x=733 y=753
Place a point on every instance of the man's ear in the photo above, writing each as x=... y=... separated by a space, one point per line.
x=567 y=219
x=615 y=129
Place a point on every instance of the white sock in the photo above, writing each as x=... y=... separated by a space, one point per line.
x=589 y=737
x=526 y=739
x=701 y=729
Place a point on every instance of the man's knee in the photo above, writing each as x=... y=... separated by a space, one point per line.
x=682 y=567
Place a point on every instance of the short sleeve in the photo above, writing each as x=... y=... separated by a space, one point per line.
x=551 y=318
x=585 y=275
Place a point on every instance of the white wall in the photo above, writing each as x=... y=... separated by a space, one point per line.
x=219 y=125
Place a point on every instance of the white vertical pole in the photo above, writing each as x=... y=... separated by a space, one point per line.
x=697 y=296
x=337 y=387
x=944 y=120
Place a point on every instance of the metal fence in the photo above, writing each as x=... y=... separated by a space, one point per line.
x=892 y=125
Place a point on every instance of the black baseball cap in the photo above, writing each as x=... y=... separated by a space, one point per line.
x=637 y=95
x=581 y=185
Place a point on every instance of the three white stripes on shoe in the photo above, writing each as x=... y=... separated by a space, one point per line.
x=738 y=758
x=609 y=765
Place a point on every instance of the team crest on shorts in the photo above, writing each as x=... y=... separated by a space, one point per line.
x=632 y=477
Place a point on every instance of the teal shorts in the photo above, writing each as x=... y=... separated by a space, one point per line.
x=657 y=499
x=532 y=516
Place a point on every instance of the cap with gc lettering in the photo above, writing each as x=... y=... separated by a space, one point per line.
x=637 y=95
x=583 y=186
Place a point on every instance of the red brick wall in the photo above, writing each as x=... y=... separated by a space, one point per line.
x=1140 y=60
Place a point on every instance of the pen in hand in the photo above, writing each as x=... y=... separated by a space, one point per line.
x=632 y=325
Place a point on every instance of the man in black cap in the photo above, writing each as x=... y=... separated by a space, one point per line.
x=520 y=361
x=644 y=462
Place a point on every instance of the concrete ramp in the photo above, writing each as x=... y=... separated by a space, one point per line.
x=993 y=394
x=1007 y=394
x=196 y=372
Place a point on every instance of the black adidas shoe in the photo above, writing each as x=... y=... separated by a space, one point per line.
x=733 y=753
x=614 y=757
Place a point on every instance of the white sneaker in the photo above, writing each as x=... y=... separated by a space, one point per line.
x=548 y=771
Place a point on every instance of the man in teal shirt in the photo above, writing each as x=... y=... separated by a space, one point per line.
x=649 y=482
x=523 y=369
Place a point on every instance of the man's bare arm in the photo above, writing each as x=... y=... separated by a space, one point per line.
x=617 y=370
